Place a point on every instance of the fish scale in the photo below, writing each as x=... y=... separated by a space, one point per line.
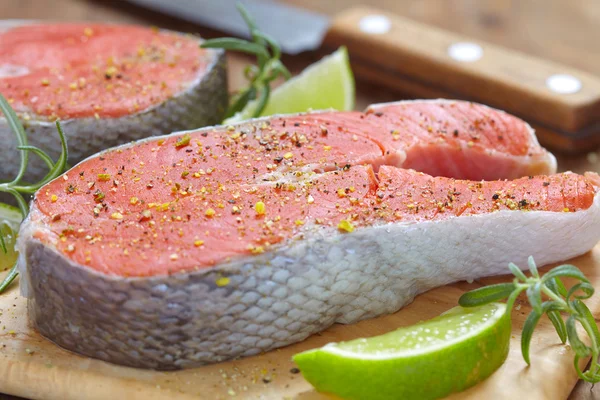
x=335 y=241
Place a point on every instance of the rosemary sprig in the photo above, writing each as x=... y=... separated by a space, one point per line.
x=17 y=187
x=269 y=66
x=559 y=301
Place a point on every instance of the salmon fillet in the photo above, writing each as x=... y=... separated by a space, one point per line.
x=207 y=245
x=108 y=84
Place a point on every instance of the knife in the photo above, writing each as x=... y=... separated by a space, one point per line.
x=295 y=29
x=561 y=102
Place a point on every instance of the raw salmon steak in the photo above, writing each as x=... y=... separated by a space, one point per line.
x=223 y=242
x=108 y=84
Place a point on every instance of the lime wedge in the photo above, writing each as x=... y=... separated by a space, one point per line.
x=428 y=360
x=328 y=83
x=10 y=219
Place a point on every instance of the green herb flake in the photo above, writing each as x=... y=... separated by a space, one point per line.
x=98 y=196
x=183 y=141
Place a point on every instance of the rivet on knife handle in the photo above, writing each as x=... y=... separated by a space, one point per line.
x=388 y=48
x=375 y=24
x=465 y=51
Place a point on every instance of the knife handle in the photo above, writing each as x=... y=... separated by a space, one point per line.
x=418 y=58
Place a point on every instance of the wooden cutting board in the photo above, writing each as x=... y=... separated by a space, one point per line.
x=33 y=367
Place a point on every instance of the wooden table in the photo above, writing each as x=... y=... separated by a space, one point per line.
x=563 y=31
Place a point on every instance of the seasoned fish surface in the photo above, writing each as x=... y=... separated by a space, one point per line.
x=108 y=84
x=207 y=245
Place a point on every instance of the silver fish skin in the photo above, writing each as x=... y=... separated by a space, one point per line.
x=283 y=296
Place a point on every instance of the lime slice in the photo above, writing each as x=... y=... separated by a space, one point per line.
x=10 y=219
x=429 y=360
x=328 y=83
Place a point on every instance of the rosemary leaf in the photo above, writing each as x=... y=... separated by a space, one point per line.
x=243 y=98
x=58 y=168
x=262 y=100
x=556 y=286
x=513 y=297
x=485 y=295
x=516 y=271
x=283 y=70
x=534 y=294
x=12 y=274
x=585 y=287
x=247 y=17
x=589 y=376
x=533 y=267
x=587 y=320
x=528 y=328
x=552 y=306
x=577 y=345
x=581 y=374
x=531 y=322
x=565 y=270
x=17 y=127
x=3 y=244
x=562 y=289
x=559 y=324
x=271 y=42
x=23 y=207
x=236 y=45
x=40 y=153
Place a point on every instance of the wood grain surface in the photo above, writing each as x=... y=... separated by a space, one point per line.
x=558 y=30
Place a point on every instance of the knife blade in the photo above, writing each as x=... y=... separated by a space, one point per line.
x=420 y=60
x=295 y=29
